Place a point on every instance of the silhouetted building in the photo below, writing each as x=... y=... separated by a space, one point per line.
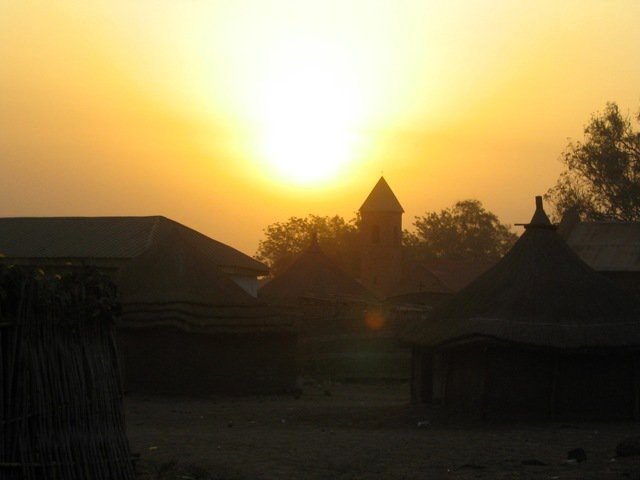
x=540 y=334
x=609 y=247
x=110 y=242
x=344 y=331
x=381 y=240
x=456 y=274
x=383 y=268
x=418 y=285
x=187 y=328
x=190 y=321
x=313 y=275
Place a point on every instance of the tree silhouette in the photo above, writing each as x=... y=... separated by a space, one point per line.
x=602 y=175
x=465 y=231
x=337 y=237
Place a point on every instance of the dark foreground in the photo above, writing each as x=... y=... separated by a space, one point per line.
x=359 y=432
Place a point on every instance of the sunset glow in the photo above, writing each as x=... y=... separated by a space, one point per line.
x=208 y=112
x=307 y=114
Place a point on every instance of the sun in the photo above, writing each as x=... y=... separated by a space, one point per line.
x=309 y=109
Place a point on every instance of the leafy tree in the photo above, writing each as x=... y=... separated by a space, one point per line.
x=602 y=176
x=337 y=237
x=465 y=231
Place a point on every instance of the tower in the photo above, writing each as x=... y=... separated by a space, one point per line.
x=381 y=240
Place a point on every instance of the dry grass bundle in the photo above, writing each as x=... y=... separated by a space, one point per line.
x=60 y=395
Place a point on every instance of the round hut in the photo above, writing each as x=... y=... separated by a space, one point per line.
x=187 y=328
x=419 y=286
x=344 y=331
x=540 y=334
x=324 y=299
x=314 y=280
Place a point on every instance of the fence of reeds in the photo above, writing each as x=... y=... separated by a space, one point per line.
x=61 y=411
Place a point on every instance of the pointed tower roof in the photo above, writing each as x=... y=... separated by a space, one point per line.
x=382 y=199
x=541 y=293
x=313 y=274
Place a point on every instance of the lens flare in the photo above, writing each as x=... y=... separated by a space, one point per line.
x=374 y=319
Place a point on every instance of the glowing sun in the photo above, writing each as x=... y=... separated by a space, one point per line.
x=309 y=109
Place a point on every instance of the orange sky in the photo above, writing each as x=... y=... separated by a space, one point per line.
x=230 y=115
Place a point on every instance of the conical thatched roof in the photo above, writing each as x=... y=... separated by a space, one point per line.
x=541 y=294
x=417 y=278
x=175 y=283
x=418 y=286
x=313 y=274
x=457 y=274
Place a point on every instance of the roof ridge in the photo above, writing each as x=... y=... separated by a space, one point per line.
x=108 y=237
x=152 y=234
x=60 y=217
x=208 y=238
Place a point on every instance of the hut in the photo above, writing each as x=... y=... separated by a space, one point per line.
x=187 y=328
x=539 y=335
x=109 y=243
x=312 y=275
x=345 y=332
x=419 y=286
x=456 y=274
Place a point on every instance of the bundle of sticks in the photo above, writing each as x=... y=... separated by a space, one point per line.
x=61 y=413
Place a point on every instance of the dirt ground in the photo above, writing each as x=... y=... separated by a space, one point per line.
x=358 y=432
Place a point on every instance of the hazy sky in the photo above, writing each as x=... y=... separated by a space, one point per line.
x=229 y=115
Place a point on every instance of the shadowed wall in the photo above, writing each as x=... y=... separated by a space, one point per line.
x=168 y=360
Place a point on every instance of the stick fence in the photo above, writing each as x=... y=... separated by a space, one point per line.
x=60 y=396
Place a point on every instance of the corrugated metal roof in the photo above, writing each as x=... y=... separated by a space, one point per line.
x=607 y=246
x=106 y=238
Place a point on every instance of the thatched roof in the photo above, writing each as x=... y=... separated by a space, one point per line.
x=175 y=283
x=541 y=293
x=381 y=199
x=456 y=274
x=88 y=239
x=313 y=275
x=417 y=278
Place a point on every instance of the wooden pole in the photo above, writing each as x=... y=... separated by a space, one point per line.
x=636 y=385
x=484 y=406
x=555 y=374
